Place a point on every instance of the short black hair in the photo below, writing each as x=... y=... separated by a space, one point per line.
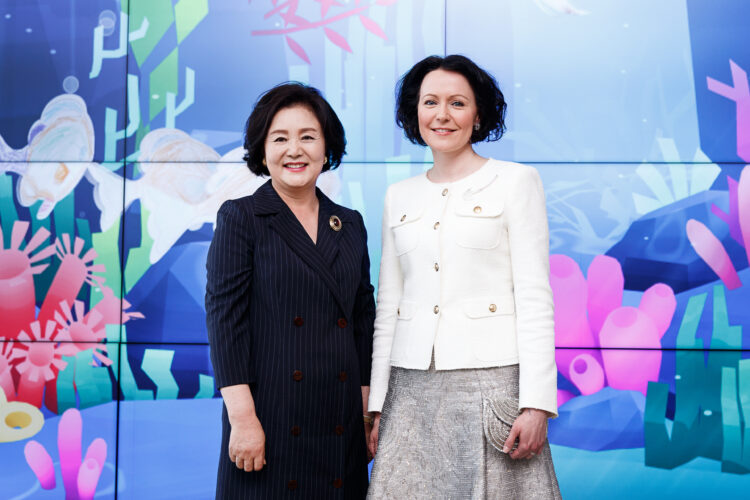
x=283 y=96
x=490 y=101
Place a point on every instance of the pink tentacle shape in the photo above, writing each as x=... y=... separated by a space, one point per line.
x=41 y=464
x=710 y=249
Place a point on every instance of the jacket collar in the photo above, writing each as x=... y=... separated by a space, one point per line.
x=318 y=256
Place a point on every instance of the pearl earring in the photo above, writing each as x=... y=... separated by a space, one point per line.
x=476 y=126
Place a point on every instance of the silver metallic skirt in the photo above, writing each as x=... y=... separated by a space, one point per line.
x=432 y=444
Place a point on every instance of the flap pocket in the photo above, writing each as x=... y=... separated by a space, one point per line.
x=480 y=208
x=406 y=309
x=483 y=307
x=404 y=215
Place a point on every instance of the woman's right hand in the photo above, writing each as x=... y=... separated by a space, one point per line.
x=247 y=444
x=373 y=444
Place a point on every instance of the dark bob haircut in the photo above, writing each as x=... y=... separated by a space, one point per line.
x=490 y=101
x=284 y=96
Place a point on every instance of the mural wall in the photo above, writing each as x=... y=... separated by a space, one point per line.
x=120 y=136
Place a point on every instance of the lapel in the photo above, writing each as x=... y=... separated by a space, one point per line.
x=328 y=238
x=318 y=257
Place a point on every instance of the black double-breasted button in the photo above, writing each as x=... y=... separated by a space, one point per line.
x=339 y=430
x=342 y=323
x=298 y=321
x=296 y=430
x=338 y=483
x=292 y=484
x=297 y=375
x=343 y=376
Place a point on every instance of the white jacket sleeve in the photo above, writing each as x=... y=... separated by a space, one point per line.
x=528 y=235
x=390 y=289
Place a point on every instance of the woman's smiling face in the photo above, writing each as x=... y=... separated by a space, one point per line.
x=447 y=111
x=295 y=148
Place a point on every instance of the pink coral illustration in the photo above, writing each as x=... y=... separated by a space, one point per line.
x=33 y=345
x=17 y=270
x=589 y=315
x=6 y=369
x=80 y=477
x=709 y=247
x=705 y=243
x=287 y=11
x=39 y=360
x=111 y=310
x=75 y=270
x=84 y=331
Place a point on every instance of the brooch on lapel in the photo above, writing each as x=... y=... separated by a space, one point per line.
x=335 y=223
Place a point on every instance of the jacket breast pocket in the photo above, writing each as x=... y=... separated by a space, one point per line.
x=405 y=229
x=479 y=224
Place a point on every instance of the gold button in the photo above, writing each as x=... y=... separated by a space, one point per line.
x=437 y=225
x=403 y=218
x=477 y=209
x=436 y=309
x=493 y=308
x=437 y=268
x=445 y=192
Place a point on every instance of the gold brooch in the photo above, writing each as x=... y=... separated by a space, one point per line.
x=335 y=223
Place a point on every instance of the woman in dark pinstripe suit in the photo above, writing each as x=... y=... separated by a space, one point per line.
x=290 y=314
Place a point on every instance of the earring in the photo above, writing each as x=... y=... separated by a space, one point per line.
x=263 y=161
x=325 y=160
x=476 y=126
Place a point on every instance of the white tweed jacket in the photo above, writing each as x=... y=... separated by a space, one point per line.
x=465 y=271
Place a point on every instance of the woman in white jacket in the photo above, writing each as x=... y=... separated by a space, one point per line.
x=463 y=373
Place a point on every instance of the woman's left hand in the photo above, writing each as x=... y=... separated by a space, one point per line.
x=530 y=428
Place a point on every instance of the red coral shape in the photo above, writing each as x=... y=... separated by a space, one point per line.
x=17 y=270
x=6 y=369
x=39 y=360
x=75 y=270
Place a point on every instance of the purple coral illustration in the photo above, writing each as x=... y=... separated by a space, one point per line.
x=589 y=315
x=80 y=477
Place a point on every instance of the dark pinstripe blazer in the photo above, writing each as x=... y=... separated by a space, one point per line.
x=294 y=320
